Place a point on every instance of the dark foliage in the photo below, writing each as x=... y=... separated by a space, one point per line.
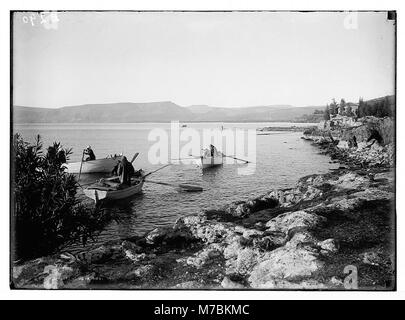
x=326 y=114
x=333 y=107
x=378 y=108
x=381 y=107
x=47 y=214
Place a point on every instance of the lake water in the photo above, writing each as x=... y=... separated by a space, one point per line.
x=281 y=159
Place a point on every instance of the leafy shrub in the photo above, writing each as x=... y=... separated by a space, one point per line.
x=47 y=215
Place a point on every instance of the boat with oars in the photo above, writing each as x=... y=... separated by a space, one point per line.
x=210 y=157
x=209 y=160
x=104 y=165
x=110 y=189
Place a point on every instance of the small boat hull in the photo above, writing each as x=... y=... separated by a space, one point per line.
x=98 y=193
x=93 y=166
x=209 y=162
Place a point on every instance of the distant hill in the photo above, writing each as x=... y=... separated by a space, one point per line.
x=102 y=113
x=254 y=113
x=163 y=111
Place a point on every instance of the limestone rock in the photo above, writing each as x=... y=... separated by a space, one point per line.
x=336 y=282
x=344 y=204
x=311 y=193
x=81 y=282
x=176 y=235
x=203 y=257
x=270 y=240
x=128 y=245
x=229 y=284
x=296 y=219
x=389 y=176
x=284 y=284
x=244 y=208
x=213 y=232
x=373 y=194
x=352 y=180
x=56 y=276
x=286 y=264
x=232 y=250
x=328 y=246
x=372 y=258
x=302 y=239
x=248 y=233
x=247 y=258
x=145 y=271
x=188 y=285
x=100 y=254
x=135 y=257
x=132 y=251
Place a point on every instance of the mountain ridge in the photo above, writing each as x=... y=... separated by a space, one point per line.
x=160 y=111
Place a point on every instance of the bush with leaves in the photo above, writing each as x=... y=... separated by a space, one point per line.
x=46 y=214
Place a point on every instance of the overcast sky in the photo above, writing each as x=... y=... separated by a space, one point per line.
x=218 y=59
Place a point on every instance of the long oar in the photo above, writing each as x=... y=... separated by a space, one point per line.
x=148 y=174
x=134 y=157
x=81 y=164
x=191 y=158
x=246 y=161
x=186 y=187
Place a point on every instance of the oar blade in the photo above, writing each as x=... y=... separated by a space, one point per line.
x=190 y=188
x=134 y=157
x=246 y=161
x=181 y=186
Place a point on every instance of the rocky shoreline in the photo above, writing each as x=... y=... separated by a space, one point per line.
x=333 y=231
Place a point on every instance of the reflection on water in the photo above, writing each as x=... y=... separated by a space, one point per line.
x=282 y=158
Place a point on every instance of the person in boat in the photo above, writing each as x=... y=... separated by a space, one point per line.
x=90 y=154
x=114 y=171
x=125 y=171
x=213 y=150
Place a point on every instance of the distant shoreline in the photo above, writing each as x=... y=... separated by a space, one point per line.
x=185 y=122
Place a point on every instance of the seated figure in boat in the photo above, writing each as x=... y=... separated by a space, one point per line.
x=210 y=152
x=213 y=150
x=125 y=171
x=89 y=152
x=137 y=173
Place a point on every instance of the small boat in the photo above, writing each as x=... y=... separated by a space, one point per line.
x=109 y=191
x=210 y=159
x=104 y=165
x=208 y=162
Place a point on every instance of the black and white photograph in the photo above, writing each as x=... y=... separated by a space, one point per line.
x=203 y=150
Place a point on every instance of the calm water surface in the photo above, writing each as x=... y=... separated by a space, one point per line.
x=282 y=158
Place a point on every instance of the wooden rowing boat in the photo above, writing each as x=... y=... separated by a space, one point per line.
x=104 y=165
x=207 y=162
x=108 y=191
x=210 y=157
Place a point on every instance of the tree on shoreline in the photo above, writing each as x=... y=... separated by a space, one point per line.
x=333 y=107
x=47 y=215
x=378 y=108
x=326 y=115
